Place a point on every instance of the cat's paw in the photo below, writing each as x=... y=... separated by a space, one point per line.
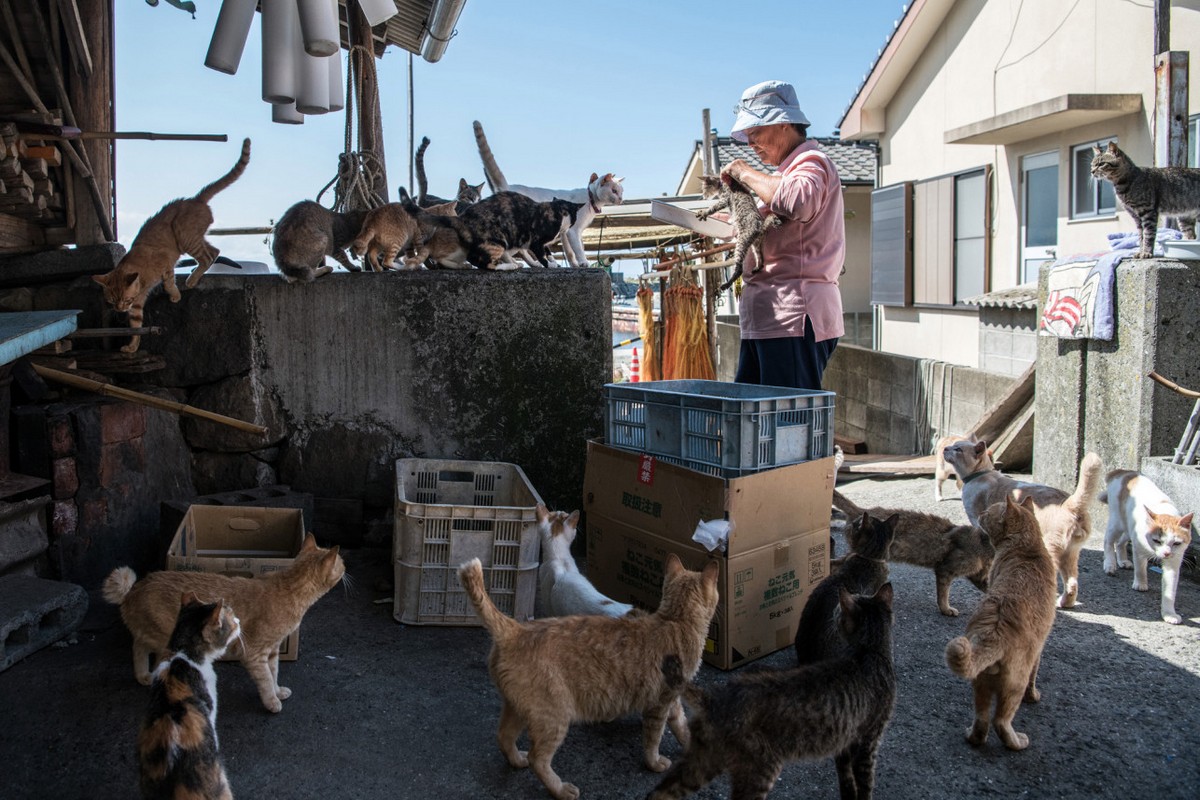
x=1125 y=564
x=273 y=705
x=949 y=611
x=1172 y=618
x=283 y=693
x=569 y=791
x=1110 y=569
x=1018 y=741
x=519 y=759
x=1032 y=695
x=144 y=680
x=1066 y=601
x=1140 y=586
x=1144 y=254
x=702 y=215
x=132 y=347
x=977 y=735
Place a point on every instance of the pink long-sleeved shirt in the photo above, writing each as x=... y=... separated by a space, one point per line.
x=803 y=257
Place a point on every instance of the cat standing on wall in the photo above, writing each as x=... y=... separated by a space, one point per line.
x=1147 y=192
x=468 y=194
x=177 y=228
x=600 y=191
x=306 y=233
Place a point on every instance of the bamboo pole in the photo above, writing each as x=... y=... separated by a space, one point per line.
x=666 y=265
x=1175 y=387
x=97 y=333
x=107 y=389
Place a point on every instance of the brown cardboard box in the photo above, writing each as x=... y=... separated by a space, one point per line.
x=639 y=509
x=238 y=540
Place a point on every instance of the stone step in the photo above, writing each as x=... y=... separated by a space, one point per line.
x=34 y=613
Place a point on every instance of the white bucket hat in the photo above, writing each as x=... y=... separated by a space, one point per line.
x=767 y=103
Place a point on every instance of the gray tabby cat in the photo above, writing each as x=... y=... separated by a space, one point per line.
x=743 y=213
x=467 y=194
x=306 y=233
x=1148 y=192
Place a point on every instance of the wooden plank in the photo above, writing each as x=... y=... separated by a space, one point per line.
x=20 y=236
x=35 y=168
x=850 y=446
x=1014 y=446
x=76 y=37
x=995 y=419
x=46 y=152
x=872 y=463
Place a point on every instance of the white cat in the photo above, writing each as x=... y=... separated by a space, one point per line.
x=562 y=588
x=1140 y=513
x=600 y=191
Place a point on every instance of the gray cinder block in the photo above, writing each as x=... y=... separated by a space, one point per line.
x=35 y=612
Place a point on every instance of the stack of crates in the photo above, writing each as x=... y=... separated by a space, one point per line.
x=723 y=429
x=448 y=512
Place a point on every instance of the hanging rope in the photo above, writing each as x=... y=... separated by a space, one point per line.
x=651 y=352
x=685 y=334
x=358 y=172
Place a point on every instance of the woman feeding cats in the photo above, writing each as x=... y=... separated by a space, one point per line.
x=791 y=308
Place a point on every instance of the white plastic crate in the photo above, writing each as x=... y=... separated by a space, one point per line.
x=448 y=512
x=725 y=429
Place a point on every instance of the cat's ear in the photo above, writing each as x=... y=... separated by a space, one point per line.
x=462 y=184
x=131 y=278
x=892 y=521
x=886 y=594
x=1112 y=148
x=310 y=543
x=1096 y=149
x=189 y=599
x=573 y=520
x=846 y=601
x=980 y=448
x=100 y=279
x=542 y=512
x=712 y=570
x=330 y=558
x=608 y=176
x=592 y=179
x=673 y=566
x=1185 y=521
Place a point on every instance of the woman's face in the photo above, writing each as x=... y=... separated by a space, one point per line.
x=772 y=143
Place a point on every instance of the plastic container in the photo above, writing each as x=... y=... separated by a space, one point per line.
x=448 y=512
x=725 y=429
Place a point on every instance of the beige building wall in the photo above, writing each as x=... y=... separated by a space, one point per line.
x=921 y=332
x=971 y=71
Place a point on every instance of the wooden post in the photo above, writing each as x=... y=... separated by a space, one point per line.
x=1162 y=26
x=370 y=121
x=93 y=101
x=706 y=157
x=1170 y=119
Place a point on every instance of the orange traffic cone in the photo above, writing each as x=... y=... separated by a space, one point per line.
x=634 y=370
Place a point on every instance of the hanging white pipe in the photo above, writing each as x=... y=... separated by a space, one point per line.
x=442 y=19
x=319 y=26
x=312 y=82
x=229 y=35
x=337 y=89
x=377 y=12
x=286 y=114
x=280 y=29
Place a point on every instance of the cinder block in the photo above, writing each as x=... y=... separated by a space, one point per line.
x=35 y=612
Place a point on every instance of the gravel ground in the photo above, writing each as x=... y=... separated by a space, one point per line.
x=385 y=710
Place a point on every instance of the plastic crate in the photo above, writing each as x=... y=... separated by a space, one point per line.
x=725 y=429
x=448 y=512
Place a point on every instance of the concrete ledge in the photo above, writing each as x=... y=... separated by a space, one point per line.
x=35 y=612
x=1182 y=484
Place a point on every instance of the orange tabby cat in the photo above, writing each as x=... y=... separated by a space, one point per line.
x=555 y=671
x=177 y=228
x=392 y=229
x=269 y=608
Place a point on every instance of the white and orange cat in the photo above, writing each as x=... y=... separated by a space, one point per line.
x=177 y=228
x=1141 y=514
x=270 y=608
x=562 y=589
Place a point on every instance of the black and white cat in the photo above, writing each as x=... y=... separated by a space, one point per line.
x=600 y=191
x=508 y=224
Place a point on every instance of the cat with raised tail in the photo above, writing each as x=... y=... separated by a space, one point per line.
x=601 y=190
x=177 y=228
x=1141 y=514
x=562 y=589
x=178 y=753
x=1147 y=192
x=468 y=194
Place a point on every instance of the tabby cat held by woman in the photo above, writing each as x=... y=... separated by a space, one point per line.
x=177 y=228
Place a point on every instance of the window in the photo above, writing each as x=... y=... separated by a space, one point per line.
x=930 y=240
x=1089 y=197
x=1194 y=141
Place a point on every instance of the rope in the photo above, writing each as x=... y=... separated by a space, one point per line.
x=358 y=171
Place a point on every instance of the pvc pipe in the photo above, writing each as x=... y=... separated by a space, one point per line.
x=442 y=19
x=337 y=88
x=312 y=82
x=229 y=35
x=377 y=12
x=280 y=30
x=286 y=114
x=319 y=27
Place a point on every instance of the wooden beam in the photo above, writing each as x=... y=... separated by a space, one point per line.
x=92 y=101
x=76 y=37
x=995 y=419
x=20 y=236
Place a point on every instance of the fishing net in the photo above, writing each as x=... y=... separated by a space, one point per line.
x=651 y=336
x=685 y=353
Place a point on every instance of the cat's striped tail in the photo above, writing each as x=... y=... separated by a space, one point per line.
x=967 y=658
x=208 y=192
x=491 y=170
x=117 y=585
x=470 y=574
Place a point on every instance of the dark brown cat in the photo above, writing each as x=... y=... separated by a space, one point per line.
x=177 y=745
x=467 y=194
x=1147 y=192
x=758 y=721
x=927 y=540
x=307 y=233
x=177 y=228
x=509 y=223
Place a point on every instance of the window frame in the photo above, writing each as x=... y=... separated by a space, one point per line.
x=1194 y=141
x=1096 y=212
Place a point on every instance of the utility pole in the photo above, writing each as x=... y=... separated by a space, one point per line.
x=1170 y=117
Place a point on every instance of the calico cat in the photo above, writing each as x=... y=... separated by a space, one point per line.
x=1147 y=192
x=743 y=214
x=177 y=745
x=389 y=230
x=177 y=228
x=758 y=721
x=555 y=671
x=270 y=608
x=862 y=571
x=562 y=588
x=509 y=223
x=1003 y=645
x=927 y=540
x=600 y=191
x=1140 y=513
x=467 y=194
x=306 y=233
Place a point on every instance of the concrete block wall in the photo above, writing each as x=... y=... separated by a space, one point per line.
x=1007 y=339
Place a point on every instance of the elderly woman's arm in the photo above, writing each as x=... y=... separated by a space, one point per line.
x=760 y=183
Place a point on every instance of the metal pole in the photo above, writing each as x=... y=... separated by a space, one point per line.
x=411 y=140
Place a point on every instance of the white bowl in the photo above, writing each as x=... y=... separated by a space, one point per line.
x=1186 y=249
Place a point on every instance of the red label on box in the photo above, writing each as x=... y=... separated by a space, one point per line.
x=645 y=473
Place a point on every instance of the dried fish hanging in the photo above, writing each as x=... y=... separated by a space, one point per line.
x=685 y=333
x=651 y=335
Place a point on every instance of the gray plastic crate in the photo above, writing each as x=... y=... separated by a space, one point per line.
x=726 y=429
x=448 y=512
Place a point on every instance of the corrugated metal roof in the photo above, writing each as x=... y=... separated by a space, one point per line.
x=1023 y=296
x=855 y=161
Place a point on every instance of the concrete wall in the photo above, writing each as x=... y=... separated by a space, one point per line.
x=355 y=371
x=1007 y=339
x=943 y=334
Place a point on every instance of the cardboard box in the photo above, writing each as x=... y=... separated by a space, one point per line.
x=249 y=542
x=639 y=509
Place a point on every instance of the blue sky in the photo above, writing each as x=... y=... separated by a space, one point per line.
x=563 y=88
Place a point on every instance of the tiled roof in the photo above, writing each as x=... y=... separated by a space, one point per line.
x=1023 y=296
x=855 y=161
